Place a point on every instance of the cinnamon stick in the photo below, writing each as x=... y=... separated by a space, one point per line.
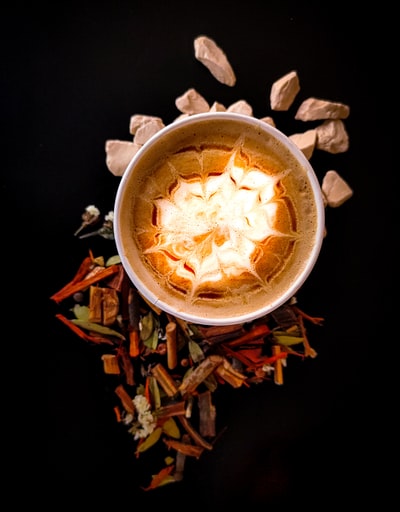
x=85 y=283
x=170 y=335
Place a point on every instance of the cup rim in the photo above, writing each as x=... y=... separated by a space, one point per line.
x=311 y=260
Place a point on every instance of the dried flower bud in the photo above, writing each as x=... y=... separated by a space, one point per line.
x=89 y=217
x=106 y=230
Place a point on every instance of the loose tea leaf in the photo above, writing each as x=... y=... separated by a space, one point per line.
x=150 y=441
x=91 y=326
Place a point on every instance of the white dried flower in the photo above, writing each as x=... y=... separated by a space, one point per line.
x=93 y=210
x=145 y=421
x=109 y=217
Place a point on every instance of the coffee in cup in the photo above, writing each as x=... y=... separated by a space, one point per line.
x=218 y=219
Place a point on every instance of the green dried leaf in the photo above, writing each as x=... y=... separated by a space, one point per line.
x=155 y=392
x=195 y=351
x=81 y=312
x=147 y=326
x=170 y=427
x=113 y=260
x=169 y=460
x=101 y=329
x=286 y=339
x=150 y=440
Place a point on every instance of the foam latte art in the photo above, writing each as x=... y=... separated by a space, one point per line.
x=217 y=220
x=210 y=226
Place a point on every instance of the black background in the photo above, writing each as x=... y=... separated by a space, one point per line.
x=73 y=74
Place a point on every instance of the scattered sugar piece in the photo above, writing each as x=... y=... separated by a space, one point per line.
x=118 y=155
x=269 y=120
x=335 y=189
x=215 y=59
x=284 y=91
x=241 y=107
x=147 y=130
x=313 y=109
x=181 y=116
x=137 y=120
x=191 y=102
x=217 y=107
x=305 y=141
x=332 y=136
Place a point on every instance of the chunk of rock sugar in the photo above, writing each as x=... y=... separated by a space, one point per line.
x=241 y=107
x=284 y=91
x=118 y=155
x=214 y=59
x=147 y=130
x=335 y=189
x=269 y=120
x=332 y=136
x=217 y=107
x=313 y=109
x=305 y=141
x=138 y=120
x=192 y=102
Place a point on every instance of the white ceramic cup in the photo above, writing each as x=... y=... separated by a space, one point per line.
x=219 y=219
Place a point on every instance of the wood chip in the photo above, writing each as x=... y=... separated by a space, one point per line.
x=118 y=155
x=191 y=102
x=214 y=59
x=284 y=91
x=305 y=141
x=110 y=364
x=313 y=109
x=335 y=189
x=332 y=136
x=207 y=415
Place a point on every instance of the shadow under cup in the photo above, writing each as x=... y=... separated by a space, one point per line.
x=218 y=219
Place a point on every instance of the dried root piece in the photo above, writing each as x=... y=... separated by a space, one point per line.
x=215 y=59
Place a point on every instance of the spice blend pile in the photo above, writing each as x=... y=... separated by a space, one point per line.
x=166 y=369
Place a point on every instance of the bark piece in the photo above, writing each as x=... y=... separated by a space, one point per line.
x=332 y=136
x=207 y=414
x=284 y=91
x=199 y=374
x=335 y=189
x=305 y=141
x=118 y=155
x=313 y=109
x=191 y=102
x=214 y=59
